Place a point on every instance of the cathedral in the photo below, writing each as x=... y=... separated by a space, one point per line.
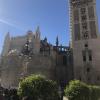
x=28 y=54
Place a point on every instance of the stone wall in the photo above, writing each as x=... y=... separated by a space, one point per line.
x=15 y=68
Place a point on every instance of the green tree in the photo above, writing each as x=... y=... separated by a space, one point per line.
x=77 y=91
x=94 y=92
x=36 y=87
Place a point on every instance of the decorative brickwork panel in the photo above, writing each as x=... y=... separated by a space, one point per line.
x=77 y=31
x=76 y=15
x=85 y=35
x=83 y=18
x=91 y=12
x=84 y=26
x=83 y=11
x=78 y=3
x=93 y=29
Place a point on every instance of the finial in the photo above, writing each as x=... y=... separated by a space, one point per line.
x=45 y=39
x=38 y=29
x=8 y=33
x=57 y=41
x=38 y=33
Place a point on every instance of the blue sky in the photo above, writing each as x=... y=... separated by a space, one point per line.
x=19 y=16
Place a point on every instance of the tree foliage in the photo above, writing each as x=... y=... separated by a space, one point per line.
x=94 y=92
x=80 y=91
x=77 y=91
x=36 y=87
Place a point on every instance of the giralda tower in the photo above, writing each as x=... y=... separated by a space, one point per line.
x=85 y=40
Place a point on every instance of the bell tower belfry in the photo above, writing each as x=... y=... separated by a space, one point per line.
x=83 y=19
x=85 y=40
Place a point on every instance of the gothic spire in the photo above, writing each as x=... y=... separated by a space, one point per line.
x=57 y=41
x=38 y=33
x=7 y=35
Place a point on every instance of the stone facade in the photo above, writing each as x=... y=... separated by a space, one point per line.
x=17 y=43
x=85 y=40
x=29 y=54
x=16 y=67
